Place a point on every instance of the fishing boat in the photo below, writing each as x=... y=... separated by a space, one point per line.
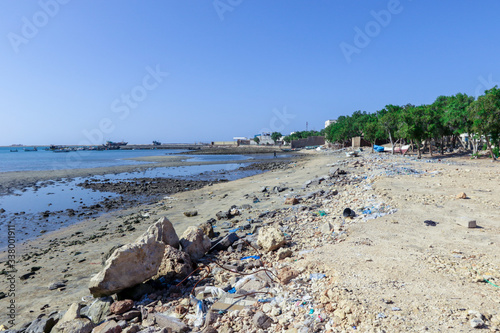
x=30 y=149
x=114 y=145
x=13 y=150
x=399 y=150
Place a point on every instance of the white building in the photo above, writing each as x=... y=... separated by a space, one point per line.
x=265 y=138
x=329 y=122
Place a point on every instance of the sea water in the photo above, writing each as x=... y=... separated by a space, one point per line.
x=24 y=206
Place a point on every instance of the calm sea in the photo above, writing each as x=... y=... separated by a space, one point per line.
x=48 y=160
x=25 y=206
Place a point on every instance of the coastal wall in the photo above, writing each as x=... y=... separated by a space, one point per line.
x=310 y=141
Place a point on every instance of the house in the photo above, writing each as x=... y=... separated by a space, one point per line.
x=265 y=139
x=329 y=122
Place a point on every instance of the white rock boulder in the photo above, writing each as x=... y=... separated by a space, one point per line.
x=129 y=265
x=270 y=239
x=195 y=243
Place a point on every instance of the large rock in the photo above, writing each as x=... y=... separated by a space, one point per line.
x=261 y=320
x=131 y=264
x=207 y=229
x=226 y=242
x=286 y=274
x=98 y=310
x=165 y=232
x=79 y=325
x=72 y=313
x=195 y=243
x=175 y=264
x=71 y=322
x=108 y=327
x=120 y=307
x=191 y=213
x=43 y=324
x=170 y=323
x=270 y=239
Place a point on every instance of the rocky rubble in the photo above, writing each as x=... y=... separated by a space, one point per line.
x=247 y=270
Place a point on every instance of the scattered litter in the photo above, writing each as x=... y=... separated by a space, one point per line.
x=381 y=315
x=316 y=276
x=265 y=300
x=494 y=285
x=395 y=308
x=430 y=223
x=251 y=257
x=200 y=312
x=377 y=210
x=231 y=291
x=348 y=212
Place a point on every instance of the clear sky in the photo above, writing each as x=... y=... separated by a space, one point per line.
x=74 y=71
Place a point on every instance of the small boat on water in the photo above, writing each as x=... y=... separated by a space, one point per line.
x=30 y=149
x=13 y=150
x=62 y=150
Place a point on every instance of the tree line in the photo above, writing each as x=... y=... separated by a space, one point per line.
x=440 y=124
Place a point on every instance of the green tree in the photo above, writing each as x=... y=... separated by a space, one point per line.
x=414 y=125
x=438 y=129
x=340 y=131
x=457 y=117
x=485 y=116
x=256 y=139
x=389 y=120
x=371 y=129
x=276 y=136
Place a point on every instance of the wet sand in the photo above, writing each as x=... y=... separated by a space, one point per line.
x=10 y=181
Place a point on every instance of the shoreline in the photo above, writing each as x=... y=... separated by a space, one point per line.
x=396 y=258
x=15 y=180
x=145 y=190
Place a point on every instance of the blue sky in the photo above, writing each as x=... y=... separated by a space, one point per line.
x=74 y=72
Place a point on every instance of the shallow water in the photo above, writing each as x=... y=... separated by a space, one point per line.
x=25 y=208
x=48 y=160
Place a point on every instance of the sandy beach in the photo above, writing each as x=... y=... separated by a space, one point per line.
x=414 y=267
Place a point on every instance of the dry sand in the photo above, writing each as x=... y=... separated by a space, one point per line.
x=429 y=272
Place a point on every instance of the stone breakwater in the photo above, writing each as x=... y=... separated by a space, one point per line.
x=292 y=268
